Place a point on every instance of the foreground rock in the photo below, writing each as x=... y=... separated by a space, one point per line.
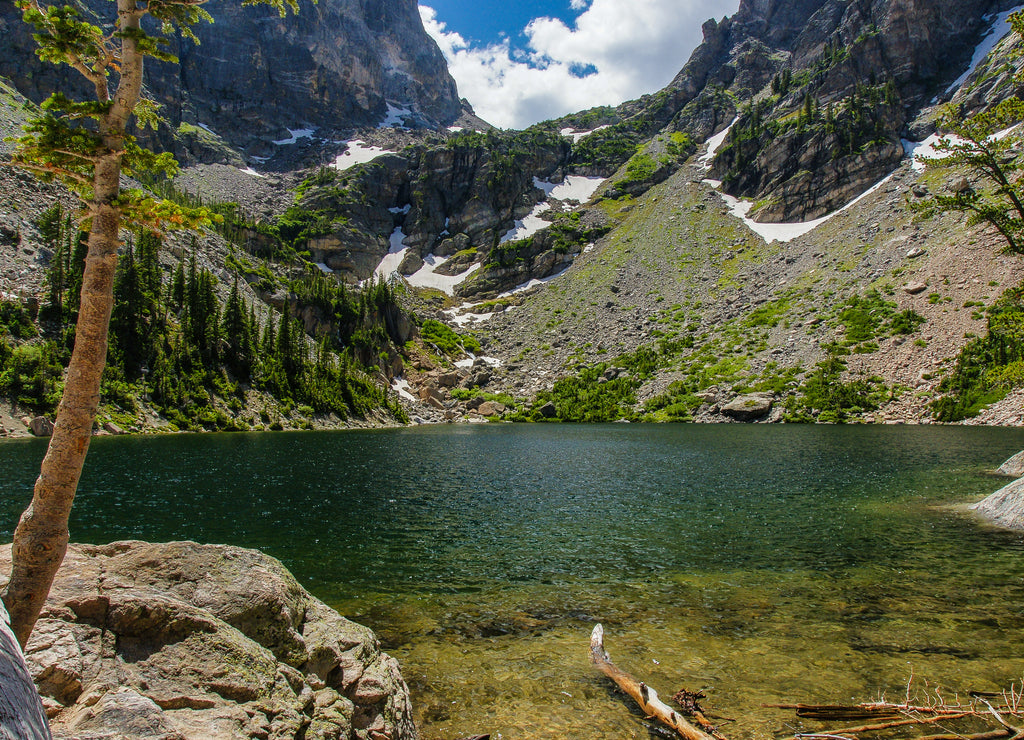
x=1005 y=507
x=1014 y=467
x=182 y=641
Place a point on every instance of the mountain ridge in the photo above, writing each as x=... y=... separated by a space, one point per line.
x=808 y=103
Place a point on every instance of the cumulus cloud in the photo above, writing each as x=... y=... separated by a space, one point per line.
x=614 y=51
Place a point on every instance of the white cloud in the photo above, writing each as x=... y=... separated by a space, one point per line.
x=629 y=48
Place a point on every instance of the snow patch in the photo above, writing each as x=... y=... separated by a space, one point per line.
x=574 y=187
x=254 y=173
x=404 y=210
x=426 y=277
x=393 y=259
x=324 y=268
x=461 y=319
x=920 y=151
x=358 y=153
x=786 y=232
x=577 y=135
x=395 y=117
x=456 y=129
x=529 y=225
x=206 y=128
x=401 y=387
x=714 y=144
x=1000 y=27
x=468 y=363
x=295 y=134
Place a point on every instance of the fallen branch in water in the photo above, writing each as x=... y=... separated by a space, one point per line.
x=643 y=694
x=938 y=709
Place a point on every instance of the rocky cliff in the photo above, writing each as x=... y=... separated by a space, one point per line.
x=182 y=641
x=335 y=66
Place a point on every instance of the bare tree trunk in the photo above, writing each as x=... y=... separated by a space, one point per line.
x=41 y=538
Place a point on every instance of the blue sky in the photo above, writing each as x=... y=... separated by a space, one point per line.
x=522 y=62
x=486 y=21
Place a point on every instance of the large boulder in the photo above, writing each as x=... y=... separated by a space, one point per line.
x=1014 y=467
x=749 y=408
x=1005 y=507
x=205 y=642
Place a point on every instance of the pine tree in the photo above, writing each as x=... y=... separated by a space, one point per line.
x=128 y=315
x=177 y=289
x=236 y=333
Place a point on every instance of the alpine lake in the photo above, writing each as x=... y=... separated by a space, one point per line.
x=759 y=564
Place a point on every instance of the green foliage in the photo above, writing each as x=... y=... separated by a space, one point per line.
x=640 y=167
x=606 y=149
x=997 y=198
x=16 y=321
x=988 y=367
x=192 y=359
x=768 y=314
x=30 y=375
x=598 y=393
x=825 y=397
x=446 y=341
x=590 y=397
x=870 y=317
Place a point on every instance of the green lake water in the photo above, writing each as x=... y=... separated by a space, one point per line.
x=762 y=564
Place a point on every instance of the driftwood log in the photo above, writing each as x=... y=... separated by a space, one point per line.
x=643 y=694
x=21 y=710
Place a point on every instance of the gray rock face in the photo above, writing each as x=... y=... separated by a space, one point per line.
x=1005 y=507
x=41 y=427
x=205 y=642
x=1014 y=467
x=799 y=173
x=337 y=64
x=749 y=408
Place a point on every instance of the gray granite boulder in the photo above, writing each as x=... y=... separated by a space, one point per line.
x=749 y=408
x=1005 y=507
x=1014 y=467
x=182 y=641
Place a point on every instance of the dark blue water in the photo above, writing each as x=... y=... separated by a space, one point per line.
x=725 y=549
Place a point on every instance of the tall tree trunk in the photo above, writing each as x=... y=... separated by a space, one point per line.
x=41 y=538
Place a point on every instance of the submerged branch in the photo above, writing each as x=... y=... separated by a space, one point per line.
x=643 y=694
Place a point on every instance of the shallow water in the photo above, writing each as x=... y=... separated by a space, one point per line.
x=760 y=564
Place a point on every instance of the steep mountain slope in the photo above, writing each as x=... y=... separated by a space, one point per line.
x=685 y=306
x=608 y=263
x=335 y=66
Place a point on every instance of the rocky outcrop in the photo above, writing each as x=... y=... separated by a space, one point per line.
x=1014 y=467
x=750 y=407
x=337 y=64
x=1005 y=507
x=182 y=641
x=834 y=50
x=450 y=198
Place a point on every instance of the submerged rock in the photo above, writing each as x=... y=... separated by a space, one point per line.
x=203 y=642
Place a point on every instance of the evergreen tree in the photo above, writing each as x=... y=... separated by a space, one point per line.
x=128 y=315
x=177 y=288
x=237 y=336
x=999 y=197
